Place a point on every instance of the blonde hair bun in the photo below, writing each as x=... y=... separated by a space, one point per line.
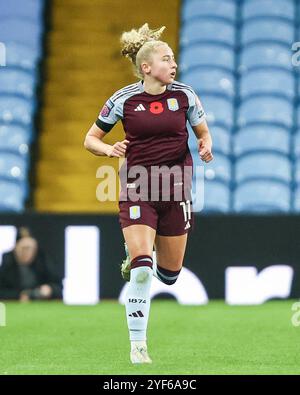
x=134 y=40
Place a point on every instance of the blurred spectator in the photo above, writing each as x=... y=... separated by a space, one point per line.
x=27 y=272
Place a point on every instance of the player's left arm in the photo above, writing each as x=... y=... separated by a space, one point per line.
x=204 y=141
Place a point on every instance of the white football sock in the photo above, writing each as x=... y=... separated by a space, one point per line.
x=138 y=302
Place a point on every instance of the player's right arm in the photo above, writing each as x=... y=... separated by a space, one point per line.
x=94 y=144
x=111 y=113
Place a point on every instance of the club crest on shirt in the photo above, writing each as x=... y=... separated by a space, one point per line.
x=173 y=104
x=134 y=212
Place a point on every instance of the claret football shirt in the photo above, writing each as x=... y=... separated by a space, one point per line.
x=155 y=125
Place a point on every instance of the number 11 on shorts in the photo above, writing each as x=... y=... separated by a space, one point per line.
x=186 y=207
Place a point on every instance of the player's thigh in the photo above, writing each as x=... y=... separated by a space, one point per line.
x=139 y=240
x=170 y=251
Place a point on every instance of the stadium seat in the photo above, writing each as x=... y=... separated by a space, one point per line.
x=267 y=81
x=296 y=143
x=12 y=166
x=207 y=29
x=267 y=8
x=216 y=197
x=11 y=196
x=15 y=138
x=263 y=165
x=298 y=116
x=297 y=199
x=32 y=9
x=298 y=76
x=218 y=8
x=260 y=29
x=262 y=137
x=218 y=169
x=14 y=81
x=209 y=55
x=16 y=109
x=219 y=110
x=265 y=54
x=221 y=140
x=21 y=31
x=297 y=170
x=262 y=196
x=20 y=55
x=210 y=80
x=266 y=109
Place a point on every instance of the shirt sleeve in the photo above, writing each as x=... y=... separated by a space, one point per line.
x=195 y=113
x=109 y=115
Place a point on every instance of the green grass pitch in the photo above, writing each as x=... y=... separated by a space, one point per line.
x=52 y=338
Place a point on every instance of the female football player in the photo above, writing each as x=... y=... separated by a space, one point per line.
x=155 y=209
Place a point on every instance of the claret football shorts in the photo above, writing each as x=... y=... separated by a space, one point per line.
x=172 y=218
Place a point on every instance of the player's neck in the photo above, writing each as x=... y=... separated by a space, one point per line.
x=154 y=87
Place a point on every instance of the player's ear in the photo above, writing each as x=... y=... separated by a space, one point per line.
x=146 y=68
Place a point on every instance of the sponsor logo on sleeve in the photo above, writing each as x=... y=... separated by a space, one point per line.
x=106 y=109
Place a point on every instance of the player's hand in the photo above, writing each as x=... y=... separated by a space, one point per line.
x=118 y=149
x=205 y=151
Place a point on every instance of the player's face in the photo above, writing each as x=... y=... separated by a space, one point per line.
x=163 y=65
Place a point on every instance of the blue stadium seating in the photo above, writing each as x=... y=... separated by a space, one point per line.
x=207 y=29
x=219 y=169
x=15 y=138
x=219 y=110
x=12 y=196
x=210 y=80
x=16 y=109
x=262 y=196
x=267 y=109
x=21 y=31
x=296 y=143
x=15 y=8
x=263 y=165
x=214 y=198
x=20 y=55
x=262 y=137
x=265 y=54
x=268 y=81
x=248 y=86
x=221 y=139
x=297 y=199
x=17 y=81
x=297 y=170
x=218 y=8
x=298 y=115
x=267 y=8
x=21 y=28
x=262 y=29
x=209 y=55
x=13 y=167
